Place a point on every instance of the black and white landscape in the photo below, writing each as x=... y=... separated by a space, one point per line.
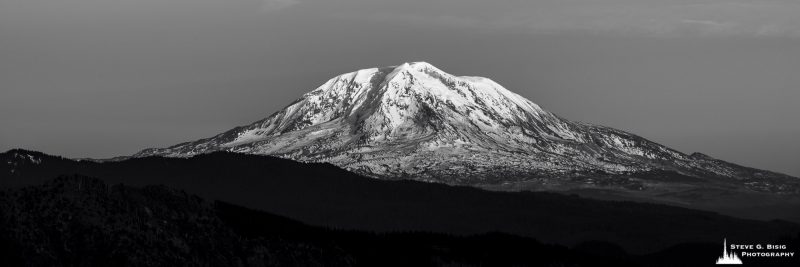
x=437 y=161
x=399 y=133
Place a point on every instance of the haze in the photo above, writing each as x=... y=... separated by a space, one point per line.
x=103 y=78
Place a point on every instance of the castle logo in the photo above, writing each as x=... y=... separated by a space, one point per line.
x=728 y=258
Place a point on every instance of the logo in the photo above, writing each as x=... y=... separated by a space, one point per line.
x=759 y=252
x=728 y=258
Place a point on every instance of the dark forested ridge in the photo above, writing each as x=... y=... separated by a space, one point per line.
x=324 y=195
x=81 y=221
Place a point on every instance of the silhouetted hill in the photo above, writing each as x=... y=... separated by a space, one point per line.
x=417 y=248
x=324 y=195
x=80 y=221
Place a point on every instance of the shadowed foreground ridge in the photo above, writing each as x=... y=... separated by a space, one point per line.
x=80 y=221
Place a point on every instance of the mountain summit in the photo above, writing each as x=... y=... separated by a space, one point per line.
x=415 y=121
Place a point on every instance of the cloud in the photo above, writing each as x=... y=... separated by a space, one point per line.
x=273 y=5
x=653 y=17
x=709 y=23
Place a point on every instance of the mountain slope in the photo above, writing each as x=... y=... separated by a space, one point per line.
x=414 y=121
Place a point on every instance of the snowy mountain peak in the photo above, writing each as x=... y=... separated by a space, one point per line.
x=416 y=121
x=411 y=97
x=419 y=66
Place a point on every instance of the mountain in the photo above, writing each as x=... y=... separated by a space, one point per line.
x=325 y=195
x=414 y=121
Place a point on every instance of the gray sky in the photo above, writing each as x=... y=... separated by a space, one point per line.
x=101 y=78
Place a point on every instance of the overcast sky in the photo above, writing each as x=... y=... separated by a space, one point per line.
x=102 y=78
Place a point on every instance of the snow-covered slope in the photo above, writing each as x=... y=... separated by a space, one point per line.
x=414 y=121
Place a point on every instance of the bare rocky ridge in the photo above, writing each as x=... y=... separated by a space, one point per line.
x=414 y=121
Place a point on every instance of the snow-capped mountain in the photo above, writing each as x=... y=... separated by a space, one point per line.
x=415 y=121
